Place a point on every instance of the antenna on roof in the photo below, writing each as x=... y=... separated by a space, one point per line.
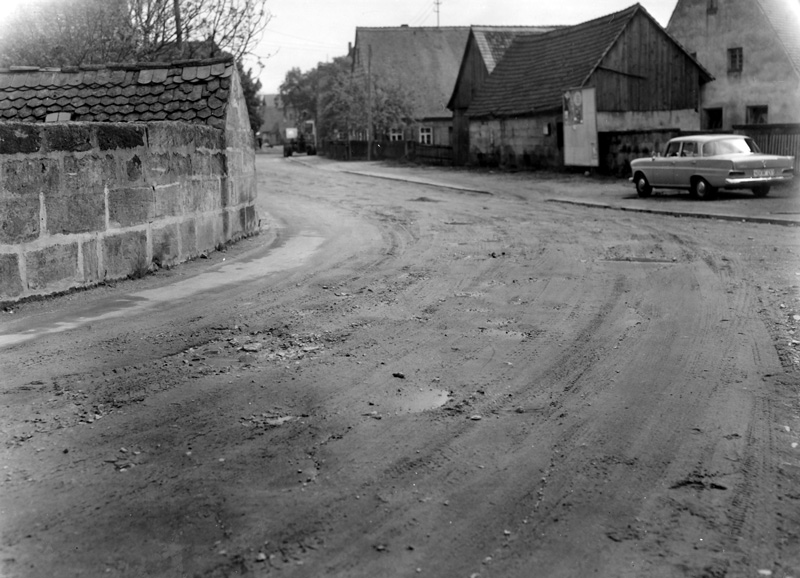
x=436 y=4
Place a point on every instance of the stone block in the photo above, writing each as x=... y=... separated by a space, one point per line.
x=91 y=264
x=203 y=195
x=120 y=136
x=209 y=138
x=89 y=172
x=157 y=168
x=75 y=213
x=123 y=253
x=133 y=169
x=219 y=164
x=10 y=280
x=31 y=176
x=246 y=189
x=166 y=244
x=188 y=233
x=250 y=219
x=19 y=217
x=163 y=136
x=130 y=206
x=207 y=233
x=169 y=200
x=67 y=137
x=19 y=138
x=52 y=267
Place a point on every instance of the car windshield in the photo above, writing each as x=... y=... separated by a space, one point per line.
x=729 y=146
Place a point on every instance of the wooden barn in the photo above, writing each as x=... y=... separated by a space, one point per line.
x=486 y=46
x=596 y=94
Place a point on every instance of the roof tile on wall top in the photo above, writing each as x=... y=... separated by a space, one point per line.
x=120 y=92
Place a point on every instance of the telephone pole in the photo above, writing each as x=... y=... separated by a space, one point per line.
x=436 y=4
x=369 y=102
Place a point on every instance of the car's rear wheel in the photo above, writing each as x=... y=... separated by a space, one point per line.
x=702 y=190
x=643 y=188
x=761 y=191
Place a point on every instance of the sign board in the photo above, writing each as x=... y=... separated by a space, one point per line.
x=580 y=128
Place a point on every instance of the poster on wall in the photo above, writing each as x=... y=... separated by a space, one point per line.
x=580 y=128
x=573 y=107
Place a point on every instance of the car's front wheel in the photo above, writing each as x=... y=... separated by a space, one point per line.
x=643 y=188
x=761 y=191
x=702 y=190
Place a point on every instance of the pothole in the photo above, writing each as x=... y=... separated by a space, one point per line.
x=419 y=399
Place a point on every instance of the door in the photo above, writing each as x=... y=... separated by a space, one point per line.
x=685 y=164
x=663 y=168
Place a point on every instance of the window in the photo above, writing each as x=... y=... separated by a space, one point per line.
x=757 y=114
x=396 y=134
x=425 y=135
x=672 y=149
x=689 y=149
x=735 y=59
x=712 y=118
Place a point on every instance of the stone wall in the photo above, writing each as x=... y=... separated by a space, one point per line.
x=515 y=143
x=81 y=203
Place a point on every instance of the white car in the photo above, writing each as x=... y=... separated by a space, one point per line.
x=703 y=164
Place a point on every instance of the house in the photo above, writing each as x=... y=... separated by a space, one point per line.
x=106 y=171
x=273 y=122
x=422 y=60
x=486 y=46
x=596 y=94
x=752 y=47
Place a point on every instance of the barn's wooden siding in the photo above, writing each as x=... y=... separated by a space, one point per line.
x=645 y=71
x=472 y=74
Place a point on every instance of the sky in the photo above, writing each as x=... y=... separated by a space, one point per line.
x=303 y=33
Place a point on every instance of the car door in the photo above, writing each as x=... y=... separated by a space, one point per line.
x=684 y=166
x=662 y=169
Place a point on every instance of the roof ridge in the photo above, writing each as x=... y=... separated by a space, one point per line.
x=406 y=27
x=516 y=26
x=120 y=66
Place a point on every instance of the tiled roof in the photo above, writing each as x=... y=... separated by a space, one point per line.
x=493 y=41
x=194 y=91
x=784 y=17
x=423 y=60
x=537 y=68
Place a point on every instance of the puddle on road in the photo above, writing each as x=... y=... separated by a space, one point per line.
x=290 y=254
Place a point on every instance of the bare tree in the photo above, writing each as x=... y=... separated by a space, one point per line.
x=192 y=28
x=67 y=32
x=74 y=32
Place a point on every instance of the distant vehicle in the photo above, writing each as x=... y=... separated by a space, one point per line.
x=301 y=141
x=703 y=164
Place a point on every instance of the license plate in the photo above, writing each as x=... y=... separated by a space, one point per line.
x=763 y=172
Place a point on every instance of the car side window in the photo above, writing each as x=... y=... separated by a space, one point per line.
x=672 y=149
x=689 y=149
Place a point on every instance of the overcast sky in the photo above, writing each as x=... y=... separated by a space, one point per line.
x=303 y=33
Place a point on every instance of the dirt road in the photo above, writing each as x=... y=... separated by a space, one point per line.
x=403 y=380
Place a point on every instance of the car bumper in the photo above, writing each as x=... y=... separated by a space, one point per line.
x=746 y=182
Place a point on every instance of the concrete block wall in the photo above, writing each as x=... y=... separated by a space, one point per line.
x=81 y=203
